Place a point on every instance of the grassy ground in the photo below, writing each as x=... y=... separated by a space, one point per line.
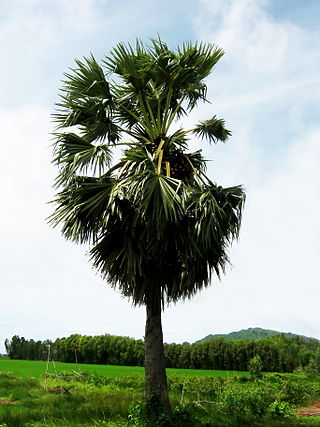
x=29 y=368
x=28 y=399
x=67 y=402
x=26 y=402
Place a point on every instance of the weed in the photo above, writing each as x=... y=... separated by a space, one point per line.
x=280 y=409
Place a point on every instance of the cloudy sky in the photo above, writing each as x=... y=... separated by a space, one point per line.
x=267 y=89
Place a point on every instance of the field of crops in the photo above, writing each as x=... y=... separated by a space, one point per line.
x=29 y=368
x=75 y=395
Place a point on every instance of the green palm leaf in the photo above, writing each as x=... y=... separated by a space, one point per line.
x=76 y=155
x=155 y=221
x=213 y=129
x=87 y=80
x=81 y=208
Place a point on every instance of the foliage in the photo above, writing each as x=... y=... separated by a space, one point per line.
x=317 y=360
x=277 y=354
x=127 y=210
x=243 y=405
x=311 y=369
x=150 y=414
x=158 y=227
x=255 y=367
x=260 y=333
x=134 y=382
x=27 y=402
x=280 y=409
x=91 y=401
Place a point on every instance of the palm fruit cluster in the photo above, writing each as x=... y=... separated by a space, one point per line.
x=180 y=167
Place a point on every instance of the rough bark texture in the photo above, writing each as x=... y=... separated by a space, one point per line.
x=155 y=370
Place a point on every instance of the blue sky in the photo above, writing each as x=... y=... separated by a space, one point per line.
x=267 y=89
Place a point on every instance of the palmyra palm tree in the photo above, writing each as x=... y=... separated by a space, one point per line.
x=157 y=225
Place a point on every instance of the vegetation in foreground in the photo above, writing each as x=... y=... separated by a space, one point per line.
x=83 y=399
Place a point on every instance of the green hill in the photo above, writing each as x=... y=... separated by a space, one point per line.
x=254 y=334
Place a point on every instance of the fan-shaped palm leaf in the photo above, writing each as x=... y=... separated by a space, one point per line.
x=213 y=129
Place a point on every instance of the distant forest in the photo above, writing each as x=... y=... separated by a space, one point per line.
x=278 y=353
x=255 y=334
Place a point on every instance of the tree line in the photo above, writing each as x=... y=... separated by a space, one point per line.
x=278 y=354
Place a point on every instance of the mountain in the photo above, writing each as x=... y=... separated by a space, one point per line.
x=254 y=334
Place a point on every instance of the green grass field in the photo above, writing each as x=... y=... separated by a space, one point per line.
x=30 y=368
x=105 y=396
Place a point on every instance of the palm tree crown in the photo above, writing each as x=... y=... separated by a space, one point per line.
x=157 y=225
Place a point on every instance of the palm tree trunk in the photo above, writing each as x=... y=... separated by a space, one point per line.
x=155 y=370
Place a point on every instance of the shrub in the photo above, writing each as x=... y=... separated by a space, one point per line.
x=241 y=402
x=255 y=367
x=151 y=414
x=280 y=409
x=317 y=360
x=311 y=369
x=296 y=392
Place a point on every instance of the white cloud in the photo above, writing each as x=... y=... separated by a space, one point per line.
x=264 y=58
x=40 y=38
x=48 y=286
x=248 y=35
x=268 y=91
x=81 y=15
x=266 y=87
x=274 y=279
x=252 y=38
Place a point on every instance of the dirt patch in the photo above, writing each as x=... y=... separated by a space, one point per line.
x=309 y=411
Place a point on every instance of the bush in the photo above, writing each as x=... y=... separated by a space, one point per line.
x=151 y=414
x=317 y=360
x=280 y=409
x=243 y=402
x=296 y=392
x=311 y=369
x=255 y=367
